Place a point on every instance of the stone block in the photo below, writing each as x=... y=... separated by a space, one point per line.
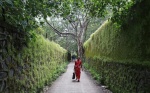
x=0 y=66
x=4 y=50
x=2 y=36
x=2 y=86
x=11 y=73
x=8 y=60
x=3 y=75
x=1 y=29
x=3 y=43
x=1 y=51
x=4 y=66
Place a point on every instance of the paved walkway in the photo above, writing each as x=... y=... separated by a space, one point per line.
x=65 y=84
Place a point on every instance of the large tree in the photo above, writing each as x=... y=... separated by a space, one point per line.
x=76 y=21
x=23 y=13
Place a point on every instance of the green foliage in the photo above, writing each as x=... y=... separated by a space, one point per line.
x=93 y=25
x=40 y=31
x=49 y=34
x=130 y=11
x=36 y=65
x=120 y=50
x=27 y=10
x=120 y=78
x=109 y=42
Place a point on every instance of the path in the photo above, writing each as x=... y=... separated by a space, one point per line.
x=65 y=84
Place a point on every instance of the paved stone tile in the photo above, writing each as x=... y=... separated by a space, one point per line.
x=65 y=84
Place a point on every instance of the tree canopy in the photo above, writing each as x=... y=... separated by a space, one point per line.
x=29 y=14
x=22 y=13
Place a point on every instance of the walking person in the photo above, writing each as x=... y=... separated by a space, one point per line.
x=77 y=68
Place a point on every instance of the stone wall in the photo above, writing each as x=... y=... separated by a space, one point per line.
x=27 y=64
x=122 y=78
x=9 y=36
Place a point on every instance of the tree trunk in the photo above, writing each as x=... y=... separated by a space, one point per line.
x=83 y=29
x=80 y=48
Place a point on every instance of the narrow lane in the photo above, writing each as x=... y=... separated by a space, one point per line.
x=65 y=84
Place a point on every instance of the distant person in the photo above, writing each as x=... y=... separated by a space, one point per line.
x=77 y=68
x=73 y=57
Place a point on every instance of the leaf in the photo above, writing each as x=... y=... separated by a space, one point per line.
x=24 y=23
x=9 y=2
x=45 y=16
x=41 y=23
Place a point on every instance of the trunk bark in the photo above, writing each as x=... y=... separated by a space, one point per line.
x=80 y=48
x=83 y=29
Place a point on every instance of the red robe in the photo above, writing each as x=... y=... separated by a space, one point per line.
x=77 y=68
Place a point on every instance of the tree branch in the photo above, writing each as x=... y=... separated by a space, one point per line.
x=72 y=24
x=83 y=28
x=60 y=33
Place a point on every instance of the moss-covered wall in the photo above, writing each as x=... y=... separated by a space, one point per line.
x=112 y=43
x=120 y=56
x=120 y=77
x=25 y=67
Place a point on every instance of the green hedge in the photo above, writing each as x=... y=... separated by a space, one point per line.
x=119 y=56
x=32 y=67
x=120 y=77
x=109 y=42
x=116 y=59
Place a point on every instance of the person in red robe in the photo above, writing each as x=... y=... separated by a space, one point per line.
x=77 y=68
